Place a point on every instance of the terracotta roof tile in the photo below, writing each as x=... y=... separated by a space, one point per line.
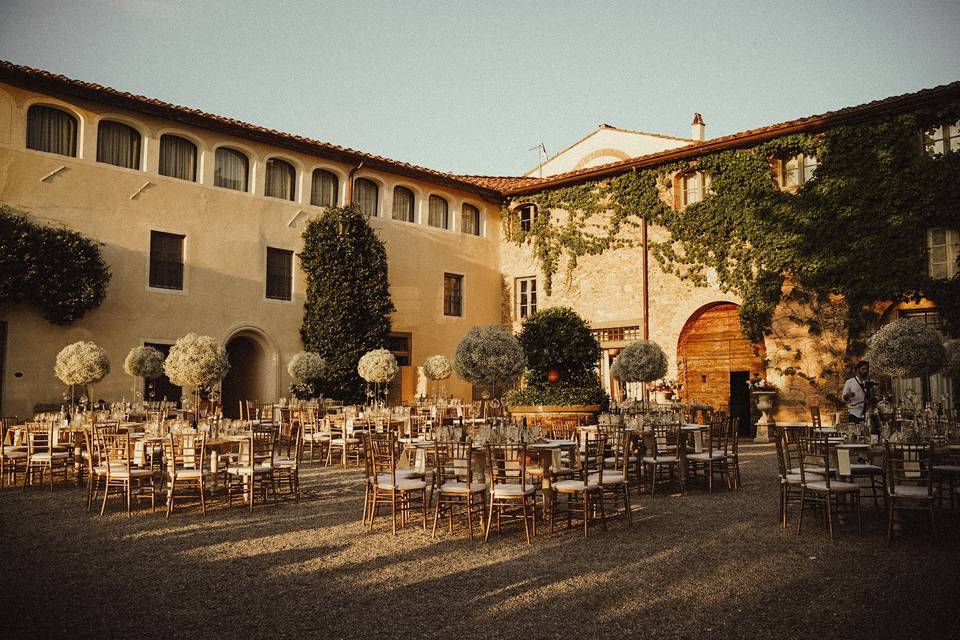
x=39 y=79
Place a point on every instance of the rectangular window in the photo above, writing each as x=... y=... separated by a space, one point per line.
x=279 y=274
x=399 y=345
x=942 y=139
x=797 y=170
x=526 y=289
x=452 y=295
x=943 y=248
x=166 y=260
x=692 y=188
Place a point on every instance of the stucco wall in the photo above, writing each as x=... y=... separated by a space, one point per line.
x=227 y=233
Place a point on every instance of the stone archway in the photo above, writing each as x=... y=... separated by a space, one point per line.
x=714 y=359
x=252 y=374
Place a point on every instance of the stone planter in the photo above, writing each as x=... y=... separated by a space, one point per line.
x=765 y=401
x=554 y=410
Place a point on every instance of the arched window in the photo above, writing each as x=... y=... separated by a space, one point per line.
x=178 y=158
x=118 y=144
x=439 y=213
x=402 y=204
x=51 y=130
x=326 y=189
x=528 y=215
x=230 y=169
x=366 y=195
x=281 y=180
x=470 y=219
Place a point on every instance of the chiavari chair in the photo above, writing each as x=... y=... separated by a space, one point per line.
x=117 y=461
x=459 y=486
x=909 y=481
x=583 y=495
x=818 y=488
x=42 y=453
x=511 y=494
x=253 y=471
x=184 y=455
x=390 y=487
x=13 y=456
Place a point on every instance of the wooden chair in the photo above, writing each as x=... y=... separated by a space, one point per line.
x=583 y=495
x=615 y=482
x=183 y=456
x=344 y=442
x=909 y=481
x=712 y=460
x=664 y=446
x=390 y=487
x=511 y=493
x=789 y=477
x=287 y=467
x=315 y=432
x=458 y=485
x=819 y=489
x=13 y=456
x=815 y=417
x=42 y=454
x=120 y=473
x=253 y=471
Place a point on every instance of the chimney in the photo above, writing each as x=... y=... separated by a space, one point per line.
x=697 y=127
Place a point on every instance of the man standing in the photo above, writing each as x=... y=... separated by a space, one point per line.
x=855 y=393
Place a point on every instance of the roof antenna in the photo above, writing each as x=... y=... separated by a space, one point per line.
x=541 y=156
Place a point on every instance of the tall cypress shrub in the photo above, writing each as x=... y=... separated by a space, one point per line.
x=348 y=307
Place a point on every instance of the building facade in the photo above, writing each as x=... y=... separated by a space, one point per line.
x=200 y=219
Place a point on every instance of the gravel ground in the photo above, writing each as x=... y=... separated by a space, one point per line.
x=698 y=565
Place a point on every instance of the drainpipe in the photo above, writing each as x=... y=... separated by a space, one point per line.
x=350 y=182
x=645 y=289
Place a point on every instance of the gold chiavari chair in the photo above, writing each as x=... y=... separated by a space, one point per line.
x=253 y=469
x=511 y=493
x=183 y=456
x=42 y=453
x=662 y=453
x=459 y=486
x=117 y=452
x=13 y=455
x=909 y=481
x=287 y=467
x=615 y=482
x=583 y=496
x=818 y=488
x=389 y=486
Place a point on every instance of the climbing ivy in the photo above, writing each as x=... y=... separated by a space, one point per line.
x=856 y=230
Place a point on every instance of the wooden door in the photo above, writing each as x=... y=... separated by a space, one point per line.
x=710 y=348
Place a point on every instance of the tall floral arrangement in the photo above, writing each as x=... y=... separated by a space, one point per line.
x=143 y=362
x=81 y=363
x=378 y=367
x=906 y=348
x=489 y=355
x=306 y=368
x=437 y=368
x=196 y=360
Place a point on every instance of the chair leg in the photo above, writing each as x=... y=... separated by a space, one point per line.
x=526 y=523
x=486 y=534
x=891 y=508
x=803 y=493
x=830 y=516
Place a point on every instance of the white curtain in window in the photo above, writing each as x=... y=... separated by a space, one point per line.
x=281 y=179
x=178 y=158
x=438 y=212
x=118 y=144
x=51 y=130
x=230 y=170
x=365 y=195
x=470 y=219
x=325 y=189
x=403 y=204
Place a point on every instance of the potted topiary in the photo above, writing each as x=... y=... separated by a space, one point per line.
x=641 y=361
x=489 y=356
x=906 y=348
x=562 y=354
x=306 y=368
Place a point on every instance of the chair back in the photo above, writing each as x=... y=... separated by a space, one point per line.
x=591 y=460
x=664 y=437
x=815 y=417
x=815 y=458
x=115 y=451
x=184 y=451
x=791 y=447
x=777 y=433
x=909 y=465
x=383 y=455
x=563 y=428
x=39 y=437
x=508 y=464
x=454 y=461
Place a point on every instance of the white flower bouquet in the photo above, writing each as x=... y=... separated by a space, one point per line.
x=437 y=367
x=378 y=366
x=306 y=366
x=196 y=360
x=145 y=362
x=81 y=363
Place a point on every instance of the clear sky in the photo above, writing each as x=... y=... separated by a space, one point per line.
x=470 y=87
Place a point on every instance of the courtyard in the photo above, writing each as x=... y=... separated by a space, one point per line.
x=697 y=565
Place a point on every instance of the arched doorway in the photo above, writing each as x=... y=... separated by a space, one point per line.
x=715 y=360
x=251 y=375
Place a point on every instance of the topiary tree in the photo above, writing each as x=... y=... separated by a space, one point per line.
x=347 y=312
x=640 y=361
x=58 y=271
x=562 y=354
x=906 y=348
x=491 y=356
x=306 y=369
x=143 y=362
x=557 y=339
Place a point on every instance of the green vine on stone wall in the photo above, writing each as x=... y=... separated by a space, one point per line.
x=856 y=230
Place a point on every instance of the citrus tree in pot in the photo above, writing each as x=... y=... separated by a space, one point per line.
x=641 y=361
x=562 y=354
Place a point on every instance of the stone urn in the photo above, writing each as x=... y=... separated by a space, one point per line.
x=765 y=400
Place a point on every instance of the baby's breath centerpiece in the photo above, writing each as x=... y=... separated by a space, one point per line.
x=437 y=368
x=306 y=368
x=378 y=367
x=196 y=360
x=81 y=363
x=143 y=362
